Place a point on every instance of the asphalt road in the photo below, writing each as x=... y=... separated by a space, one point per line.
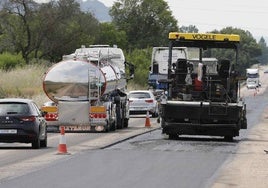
x=17 y=159
x=148 y=160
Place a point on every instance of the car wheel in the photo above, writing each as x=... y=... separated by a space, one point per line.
x=43 y=143
x=36 y=143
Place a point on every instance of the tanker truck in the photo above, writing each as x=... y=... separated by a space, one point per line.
x=88 y=89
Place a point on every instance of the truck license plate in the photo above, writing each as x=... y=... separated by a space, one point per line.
x=77 y=128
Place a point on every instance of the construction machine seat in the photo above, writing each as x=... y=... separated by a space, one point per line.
x=224 y=68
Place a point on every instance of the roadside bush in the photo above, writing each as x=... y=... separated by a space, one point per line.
x=141 y=60
x=10 y=61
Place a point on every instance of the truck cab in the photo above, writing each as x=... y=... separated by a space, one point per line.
x=159 y=67
x=253 y=78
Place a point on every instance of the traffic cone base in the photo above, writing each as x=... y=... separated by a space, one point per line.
x=62 y=149
x=147 y=121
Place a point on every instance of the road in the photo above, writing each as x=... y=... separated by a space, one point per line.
x=18 y=159
x=147 y=160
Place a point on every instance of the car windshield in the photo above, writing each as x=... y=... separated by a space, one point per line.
x=139 y=95
x=13 y=108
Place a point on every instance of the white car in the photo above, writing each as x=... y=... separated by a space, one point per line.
x=141 y=101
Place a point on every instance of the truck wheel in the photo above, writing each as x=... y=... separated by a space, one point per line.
x=126 y=122
x=108 y=128
x=155 y=114
x=113 y=126
x=119 y=121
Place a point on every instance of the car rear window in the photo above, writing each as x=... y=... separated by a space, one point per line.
x=13 y=108
x=139 y=95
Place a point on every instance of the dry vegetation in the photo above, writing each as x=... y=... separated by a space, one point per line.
x=23 y=82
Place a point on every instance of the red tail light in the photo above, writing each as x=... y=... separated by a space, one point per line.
x=98 y=115
x=149 y=100
x=51 y=117
x=28 y=118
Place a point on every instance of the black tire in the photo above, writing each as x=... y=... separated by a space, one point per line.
x=43 y=143
x=155 y=114
x=120 y=123
x=36 y=144
x=245 y=124
x=113 y=126
x=119 y=119
x=126 y=123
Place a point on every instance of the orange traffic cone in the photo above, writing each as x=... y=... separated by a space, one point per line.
x=147 y=121
x=62 y=148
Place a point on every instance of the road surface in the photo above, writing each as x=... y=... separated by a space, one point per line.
x=147 y=160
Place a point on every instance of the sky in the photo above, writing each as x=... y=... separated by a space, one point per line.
x=207 y=15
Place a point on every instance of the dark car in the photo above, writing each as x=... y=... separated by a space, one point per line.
x=22 y=121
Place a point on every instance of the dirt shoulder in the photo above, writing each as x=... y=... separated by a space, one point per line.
x=249 y=165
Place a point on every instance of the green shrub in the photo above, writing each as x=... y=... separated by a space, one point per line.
x=141 y=60
x=10 y=61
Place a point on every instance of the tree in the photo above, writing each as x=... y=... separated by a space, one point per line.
x=264 y=58
x=48 y=31
x=141 y=59
x=146 y=22
x=110 y=35
x=249 y=50
x=188 y=29
x=65 y=27
x=16 y=18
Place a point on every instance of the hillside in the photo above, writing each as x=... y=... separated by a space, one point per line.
x=97 y=8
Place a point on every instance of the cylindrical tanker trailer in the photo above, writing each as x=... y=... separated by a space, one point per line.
x=89 y=90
